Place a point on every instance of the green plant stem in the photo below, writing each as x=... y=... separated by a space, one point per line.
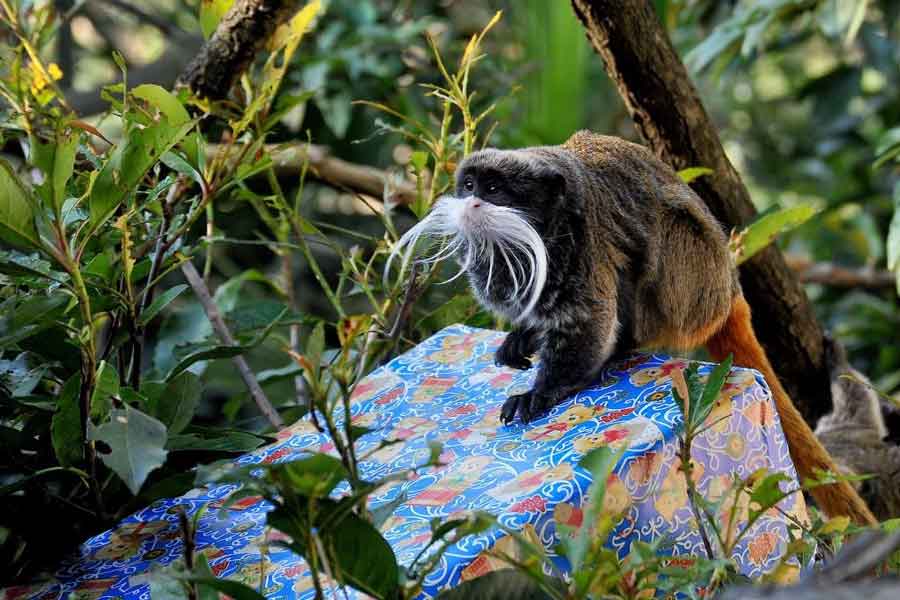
x=210 y=233
x=440 y=158
x=687 y=469
x=88 y=380
x=152 y=279
x=304 y=246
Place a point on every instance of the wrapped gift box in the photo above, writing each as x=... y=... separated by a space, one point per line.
x=448 y=389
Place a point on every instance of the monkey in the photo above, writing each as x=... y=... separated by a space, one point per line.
x=593 y=249
x=855 y=433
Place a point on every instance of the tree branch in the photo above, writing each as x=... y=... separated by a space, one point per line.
x=241 y=33
x=835 y=275
x=667 y=111
x=164 y=26
x=289 y=160
x=221 y=329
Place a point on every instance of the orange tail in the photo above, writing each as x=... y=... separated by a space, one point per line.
x=736 y=337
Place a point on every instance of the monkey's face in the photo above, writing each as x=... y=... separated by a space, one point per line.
x=494 y=226
x=516 y=179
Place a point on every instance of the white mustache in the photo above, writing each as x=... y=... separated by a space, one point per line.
x=489 y=233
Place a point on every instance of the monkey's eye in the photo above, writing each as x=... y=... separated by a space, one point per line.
x=469 y=184
x=493 y=188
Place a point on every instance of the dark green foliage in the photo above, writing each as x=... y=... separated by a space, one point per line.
x=114 y=384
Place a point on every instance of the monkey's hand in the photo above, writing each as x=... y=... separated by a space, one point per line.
x=571 y=357
x=528 y=406
x=516 y=348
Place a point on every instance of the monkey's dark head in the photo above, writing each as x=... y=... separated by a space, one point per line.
x=505 y=203
x=518 y=179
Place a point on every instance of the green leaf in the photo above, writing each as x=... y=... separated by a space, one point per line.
x=315 y=346
x=163 y=100
x=107 y=387
x=233 y=589
x=16 y=210
x=177 y=163
x=260 y=314
x=690 y=174
x=57 y=160
x=315 y=476
x=17 y=264
x=176 y=404
x=223 y=351
x=456 y=310
x=419 y=160
x=161 y=301
x=382 y=513
x=225 y=440
x=842 y=18
x=211 y=12
x=893 y=237
x=767 y=493
x=888 y=148
x=505 y=584
x=279 y=373
x=142 y=147
x=19 y=377
x=704 y=403
x=359 y=556
x=65 y=428
x=166 y=584
x=725 y=36
x=766 y=228
x=282 y=46
x=137 y=445
x=600 y=462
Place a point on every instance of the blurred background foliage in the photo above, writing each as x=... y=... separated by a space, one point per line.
x=805 y=94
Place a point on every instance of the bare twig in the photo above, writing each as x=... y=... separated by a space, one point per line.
x=287 y=278
x=835 y=275
x=147 y=296
x=215 y=318
x=289 y=159
x=144 y=17
x=413 y=289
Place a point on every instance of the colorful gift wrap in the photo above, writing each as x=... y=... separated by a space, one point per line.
x=448 y=390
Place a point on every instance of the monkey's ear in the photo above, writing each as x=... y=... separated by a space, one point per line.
x=555 y=184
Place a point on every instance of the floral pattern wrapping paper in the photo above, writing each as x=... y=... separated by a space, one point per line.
x=449 y=390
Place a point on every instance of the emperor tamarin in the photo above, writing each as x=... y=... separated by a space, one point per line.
x=596 y=248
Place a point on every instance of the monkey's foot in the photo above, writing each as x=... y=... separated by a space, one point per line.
x=513 y=352
x=528 y=406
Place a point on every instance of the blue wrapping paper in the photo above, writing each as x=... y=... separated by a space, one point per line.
x=447 y=389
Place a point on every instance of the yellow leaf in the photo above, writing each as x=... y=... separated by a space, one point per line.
x=54 y=71
x=835 y=525
x=38 y=78
x=211 y=12
x=288 y=35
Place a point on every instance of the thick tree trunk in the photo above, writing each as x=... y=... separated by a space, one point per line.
x=241 y=34
x=667 y=111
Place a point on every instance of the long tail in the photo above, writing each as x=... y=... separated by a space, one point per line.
x=736 y=337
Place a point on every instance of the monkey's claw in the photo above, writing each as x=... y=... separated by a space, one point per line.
x=513 y=352
x=528 y=406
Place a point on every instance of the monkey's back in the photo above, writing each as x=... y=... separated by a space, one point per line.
x=676 y=262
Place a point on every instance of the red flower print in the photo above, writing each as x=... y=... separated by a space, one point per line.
x=615 y=434
x=532 y=504
x=465 y=409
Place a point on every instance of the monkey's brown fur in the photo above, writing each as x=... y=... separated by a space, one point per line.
x=721 y=320
x=636 y=260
